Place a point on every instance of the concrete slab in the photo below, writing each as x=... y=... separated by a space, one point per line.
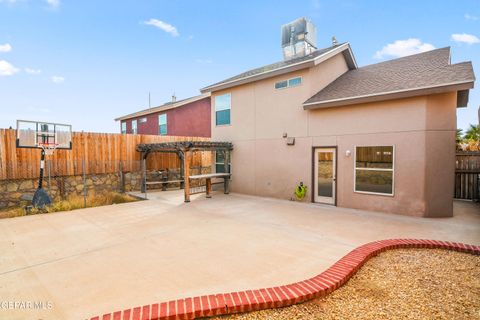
x=92 y=261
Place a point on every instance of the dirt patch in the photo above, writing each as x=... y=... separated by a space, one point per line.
x=71 y=203
x=397 y=284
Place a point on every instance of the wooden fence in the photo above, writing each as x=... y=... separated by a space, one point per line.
x=101 y=153
x=467 y=173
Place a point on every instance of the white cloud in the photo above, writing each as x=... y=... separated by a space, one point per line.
x=401 y=48
x=7 y=69
x=470 y=17
x=5 y=47
x=58 y=79
x=32 y=71
x=466 y=38
x=163 y=26
x=9 y=1
x=53 y=3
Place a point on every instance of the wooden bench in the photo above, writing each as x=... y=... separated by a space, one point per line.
x=208 y=178
x=166 y=177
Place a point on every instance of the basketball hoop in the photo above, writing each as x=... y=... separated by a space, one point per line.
x=48 y=148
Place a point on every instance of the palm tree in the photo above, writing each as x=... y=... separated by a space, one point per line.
x=472 y=133
x=459 y=136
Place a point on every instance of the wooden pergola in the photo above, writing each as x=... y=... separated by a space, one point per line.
x=184 y=150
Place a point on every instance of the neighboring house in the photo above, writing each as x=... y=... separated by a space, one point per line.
x=188 y=117
x=379 y=137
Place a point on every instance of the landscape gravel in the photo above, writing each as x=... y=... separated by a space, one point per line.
x=397 y=284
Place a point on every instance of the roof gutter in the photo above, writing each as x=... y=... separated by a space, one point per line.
x=398 y=94
x=164 y=107
x=285 y=69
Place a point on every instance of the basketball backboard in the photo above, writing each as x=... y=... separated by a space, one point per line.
x=43 y=135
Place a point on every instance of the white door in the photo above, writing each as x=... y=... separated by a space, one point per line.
x=325 y=175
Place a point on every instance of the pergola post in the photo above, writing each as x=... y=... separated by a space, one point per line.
x=226 y=180
x=186 y=173
x=143 y=164
x=181 y=156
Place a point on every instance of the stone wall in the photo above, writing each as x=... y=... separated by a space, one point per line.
x=13 y=192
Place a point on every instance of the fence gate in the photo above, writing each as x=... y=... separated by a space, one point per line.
x=467 y=175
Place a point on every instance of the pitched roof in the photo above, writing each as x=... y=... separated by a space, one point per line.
x=284 y=67
x=164 y=107
x=419 y=74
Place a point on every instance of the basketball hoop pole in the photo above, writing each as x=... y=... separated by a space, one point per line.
x=42 y=166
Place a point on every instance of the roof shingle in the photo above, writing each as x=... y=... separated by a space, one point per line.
x=419 y=71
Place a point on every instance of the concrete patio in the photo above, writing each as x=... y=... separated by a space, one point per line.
x=93 y=261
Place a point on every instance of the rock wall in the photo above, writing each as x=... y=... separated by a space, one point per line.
x=13 y=192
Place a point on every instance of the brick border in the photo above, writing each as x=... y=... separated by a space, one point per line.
x=281 y=296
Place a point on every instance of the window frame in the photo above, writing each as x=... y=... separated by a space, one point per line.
x=230 y=109
x=288 y=83
x=134 y=131
x=123 y=127
x=223 y=163
x=164 y=124
x=392 y=170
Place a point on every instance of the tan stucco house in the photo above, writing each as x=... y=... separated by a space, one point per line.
x=379 y=137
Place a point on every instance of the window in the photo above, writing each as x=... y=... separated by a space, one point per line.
x=162 y=124
x=222 y=109
x=288 y=83
x=220 y=163
x=281 y=84
x=124 y=127
x=374 y=169
x=134 y=127
x=143 y=120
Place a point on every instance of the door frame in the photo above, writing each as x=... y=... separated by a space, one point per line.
x=314 y=148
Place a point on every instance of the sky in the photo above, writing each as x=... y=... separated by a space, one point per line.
x=87 y=62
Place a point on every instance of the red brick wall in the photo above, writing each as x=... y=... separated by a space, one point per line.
x=192 y=120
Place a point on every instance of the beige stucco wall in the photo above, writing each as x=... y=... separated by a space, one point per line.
x=422 y=130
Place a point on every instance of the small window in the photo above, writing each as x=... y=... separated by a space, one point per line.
x=162 y=124
x=220 y=163
x=134 y=127
x=124 y=127
x=374 y=169
x=143 y=120
x=288 y=83
x=281 y=84
x=294 y=82
x=222 y=109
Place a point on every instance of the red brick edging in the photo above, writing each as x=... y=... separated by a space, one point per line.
x=250 y=300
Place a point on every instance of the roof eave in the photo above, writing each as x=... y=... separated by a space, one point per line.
x=407 y=93
x=352 y=64
x=163 y=107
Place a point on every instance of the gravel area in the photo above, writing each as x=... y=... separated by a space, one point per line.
x=397 y=284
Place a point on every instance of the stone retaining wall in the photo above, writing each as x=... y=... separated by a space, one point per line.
x=14 y=192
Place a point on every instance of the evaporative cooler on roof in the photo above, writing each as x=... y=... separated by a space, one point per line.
x=299 y=38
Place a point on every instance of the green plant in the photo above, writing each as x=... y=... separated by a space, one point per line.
x=300 y=191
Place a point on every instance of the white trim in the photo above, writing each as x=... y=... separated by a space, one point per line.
x=288 y=83
x=316 y=197
x=309 y=61
x=163 y=107
x=387 y=93
x=392 y=170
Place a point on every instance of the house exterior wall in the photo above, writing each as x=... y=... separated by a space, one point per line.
x=191 y=120
x=421 y=129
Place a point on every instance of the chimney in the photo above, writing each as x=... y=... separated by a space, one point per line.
x=334 y=41
x=174 y=98
x=299 y=38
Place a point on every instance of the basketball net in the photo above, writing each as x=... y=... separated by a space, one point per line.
x=48 y=148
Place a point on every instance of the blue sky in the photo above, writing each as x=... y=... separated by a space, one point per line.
x=87 y=62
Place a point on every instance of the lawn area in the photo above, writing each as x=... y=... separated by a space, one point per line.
x=397 y=284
